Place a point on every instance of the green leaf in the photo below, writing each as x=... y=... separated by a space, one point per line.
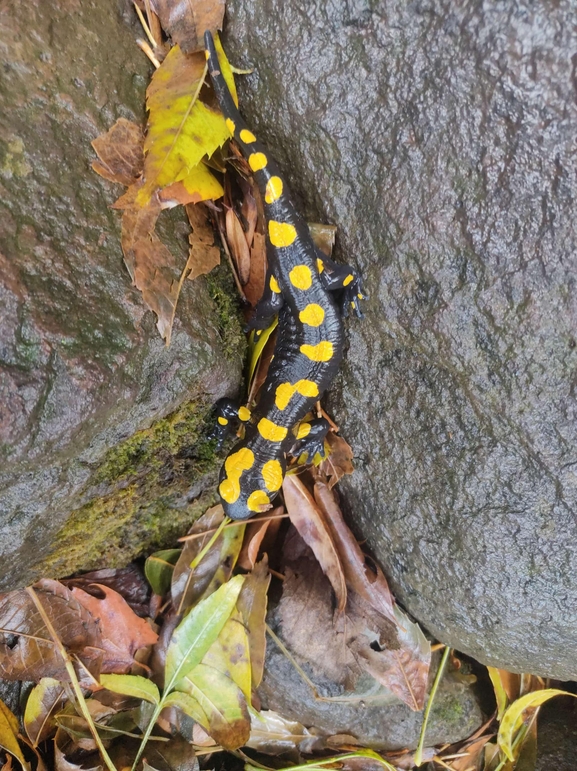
x=188 y=705
x=9 y=734
x=182 y=129
x=158 y=569
x=196 y=633
x=42 y=700
x=252 y=604
x=132 y=685
x=257 y=344
x=222 y=702
x=513 y=717
x=229 y=654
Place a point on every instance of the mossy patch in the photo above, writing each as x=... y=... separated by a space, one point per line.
x=223 y=291
x=138 y=494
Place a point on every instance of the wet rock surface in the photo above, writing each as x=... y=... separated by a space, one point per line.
x=82 y=367
x=370 y=713
x=441 y=141
x=557 y=736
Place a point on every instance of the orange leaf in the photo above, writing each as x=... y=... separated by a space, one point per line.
x=339 y=461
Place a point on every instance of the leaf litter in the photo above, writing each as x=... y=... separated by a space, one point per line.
x=123 y=678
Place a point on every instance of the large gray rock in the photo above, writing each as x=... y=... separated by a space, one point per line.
x=82 y=367
x=440 y=138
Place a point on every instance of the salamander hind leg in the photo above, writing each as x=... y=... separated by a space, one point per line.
x=310 y=438
x=268 y=306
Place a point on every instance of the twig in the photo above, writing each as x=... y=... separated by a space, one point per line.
x=146 y=49
x=438 y=676
x=73 y=679
x=145 y=25
x=237 y=523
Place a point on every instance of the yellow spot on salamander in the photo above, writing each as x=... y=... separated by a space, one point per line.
x=360 y=296
x=269 y=430
x=273 y=190
x=257 y=501
x=301 y=277
x=207 y=54
x=257 y=161
x=348 y=279
x=281 y=233
x=322 y=351
x=234 y=465
x=244 y=414
x=230 y=125
x=303 y=430
x=273 y=283
x=272 y=475
x=247 y=137
x=285 y=391
x=320 y=265
x=222 y=421
x=313 y=315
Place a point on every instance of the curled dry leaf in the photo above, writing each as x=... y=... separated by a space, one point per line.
x=323 y=236
x=257 y=275
x=252 y=605
x=204 y=255
x=339 y=461
x=43 y=700
x=123 y=632
x=273 y=734
x=238 y=246
x=190 y=585
x=371 y=586
x=120 y=152
x=256 y=530
x=186 y=22
x=312 y=526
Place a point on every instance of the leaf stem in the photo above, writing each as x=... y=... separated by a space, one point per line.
x=236 y=523
x=73 y=679
x=432 y=694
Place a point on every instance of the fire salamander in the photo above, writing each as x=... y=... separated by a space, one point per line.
x=299 y=288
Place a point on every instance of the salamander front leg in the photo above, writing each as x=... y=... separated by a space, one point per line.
x=228 y=416
x=342 y=279
x=310 y=435
x=268 y=306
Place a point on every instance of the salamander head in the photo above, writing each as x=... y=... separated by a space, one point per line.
x=247 y=486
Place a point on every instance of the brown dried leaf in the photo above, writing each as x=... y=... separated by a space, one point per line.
x=214 y=569
x=204 y=256
x=121 y=152
x=255 y=532
x=472 y=754
x=186 y=22
x=371 y=586
x=323 y=236
x=123 y=632
x=252 y=605
x=248 y=210
x=339 y=461
x=35 y=656
x=307 y=619
x=311 y=524
x=402 y=668
x=238 y=246
x=129 y=582
x=256 y=279
x=273 y=734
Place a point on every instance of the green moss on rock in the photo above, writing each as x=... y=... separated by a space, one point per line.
x=143 y=505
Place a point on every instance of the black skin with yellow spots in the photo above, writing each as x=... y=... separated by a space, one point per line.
x=299 y=289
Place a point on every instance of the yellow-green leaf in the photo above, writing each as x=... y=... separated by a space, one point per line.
x=196 y=633
x=132 y=685
x=42 y=700
x=230 y=654
x=9 y=734
x=257 y=343
x=513 y=717
x=252 y=604
x=188 y=705
x=500 y=693
x=182 y=129
x=222 y=702
x=158 y=569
